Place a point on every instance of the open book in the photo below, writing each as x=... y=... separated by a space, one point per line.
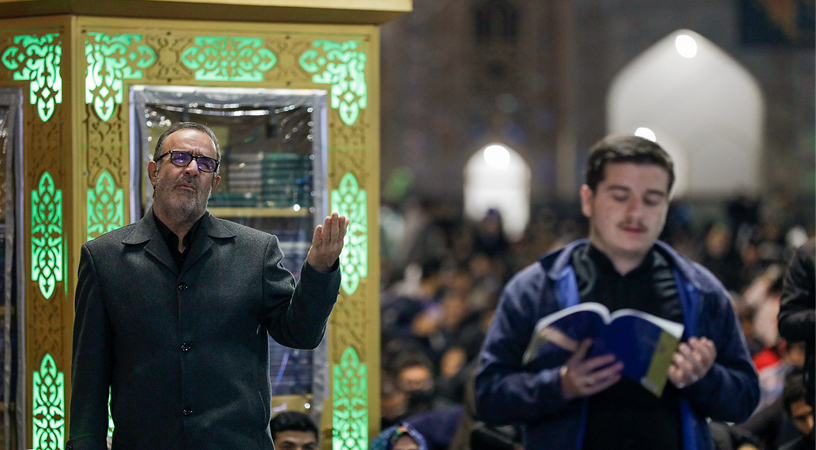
x=643 y=342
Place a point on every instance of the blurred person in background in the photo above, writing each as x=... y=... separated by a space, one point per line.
x=800 y=412
x=399 y=437
x=292 y=430
x=393 y=401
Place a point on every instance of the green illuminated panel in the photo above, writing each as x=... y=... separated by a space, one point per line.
x=37 y=59
x=223 y=58
x=350 y=407
x=342 y=66
x=350 y=201
x=112 y=59
x=105 y=207
x=46 y=235
x=48 y=407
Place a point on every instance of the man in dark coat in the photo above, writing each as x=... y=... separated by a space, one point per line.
x=172 y=314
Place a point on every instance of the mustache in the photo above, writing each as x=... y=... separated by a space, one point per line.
x=636 y=225
x=191 y=181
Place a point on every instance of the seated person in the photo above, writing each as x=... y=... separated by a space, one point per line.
x=292 y=430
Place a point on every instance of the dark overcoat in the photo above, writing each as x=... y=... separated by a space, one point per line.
x=184 y=351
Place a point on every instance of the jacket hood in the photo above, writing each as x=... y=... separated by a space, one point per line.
x=555 y=262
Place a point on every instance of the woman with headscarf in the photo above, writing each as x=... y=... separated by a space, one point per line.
x=399 y=437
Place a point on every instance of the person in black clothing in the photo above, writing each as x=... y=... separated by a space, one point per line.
x=797 y=309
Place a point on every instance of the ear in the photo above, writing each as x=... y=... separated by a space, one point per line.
x=586 y=201
x=216 y=179
x=152 y=172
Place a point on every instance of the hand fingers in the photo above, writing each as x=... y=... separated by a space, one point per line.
x=601 y=375
x=580 y=354
x=344 y=223
x=589 y=365
x=601 y=384
x=676 y=376
x=594 y=382
x=683 y=364
x=692 y=358
x=317 y=239
x=335 y=227
x=707 y=351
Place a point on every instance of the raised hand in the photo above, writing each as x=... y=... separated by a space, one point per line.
x=327 y=243
x=692 y=361
x=581 y=377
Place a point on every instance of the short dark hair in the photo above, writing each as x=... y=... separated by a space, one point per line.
x=413 y=358
x=618 y=149
x=794 y=390
x=184 y=126
x=292 y=421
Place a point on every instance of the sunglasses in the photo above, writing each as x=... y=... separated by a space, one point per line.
x=182 y=159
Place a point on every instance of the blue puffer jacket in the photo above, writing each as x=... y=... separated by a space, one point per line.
x=508 y=392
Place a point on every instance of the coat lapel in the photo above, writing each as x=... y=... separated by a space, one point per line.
x=210 y=228
x=145 y=230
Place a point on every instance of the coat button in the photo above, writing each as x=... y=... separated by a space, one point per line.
x=187 y=411
x=182 y=287
x=185 y=347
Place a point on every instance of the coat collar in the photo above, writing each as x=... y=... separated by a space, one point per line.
x=145 y=230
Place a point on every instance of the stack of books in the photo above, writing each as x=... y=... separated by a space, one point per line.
x=267 y=179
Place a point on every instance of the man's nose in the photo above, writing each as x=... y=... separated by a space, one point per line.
x=192 y=167
x=634 y=206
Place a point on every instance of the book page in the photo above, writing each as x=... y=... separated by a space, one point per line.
x=673 y=328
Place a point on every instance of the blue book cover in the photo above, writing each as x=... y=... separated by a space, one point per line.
x=643 y=342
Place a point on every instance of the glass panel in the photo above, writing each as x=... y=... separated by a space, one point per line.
x=12 y=351
x=272 y=179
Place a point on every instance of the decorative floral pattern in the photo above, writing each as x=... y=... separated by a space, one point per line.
x=343 y=66
x=48 y=407
x=37 y=59
x=223 y=58
x=350 y=201
x=47 y=246
x=350 y=408
x=112 y=59
x=105 y=207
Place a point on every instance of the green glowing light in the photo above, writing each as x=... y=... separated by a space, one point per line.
x=343 y=66
x=350 y=404
x=223 y=58
x=37 y=59
x=48 y=407
x=350 y=201
x=46 y=235
x=112 y=59
x=110 y=417
x=105 y=207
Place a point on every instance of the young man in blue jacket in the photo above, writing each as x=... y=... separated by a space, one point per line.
x=572 y=401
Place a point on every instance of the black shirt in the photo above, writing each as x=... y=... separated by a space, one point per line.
x=627 y=416
x=173 y=242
